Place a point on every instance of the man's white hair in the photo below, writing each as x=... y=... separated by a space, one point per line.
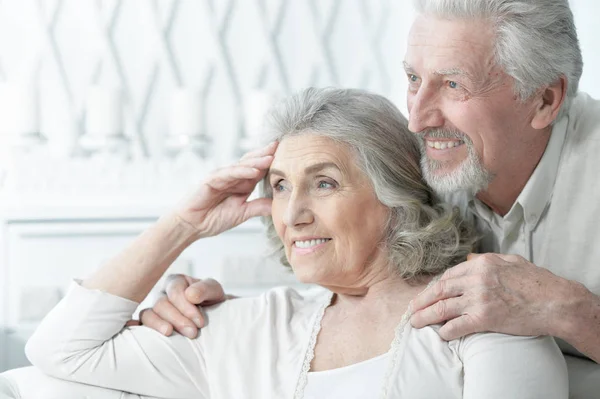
x=536 y=40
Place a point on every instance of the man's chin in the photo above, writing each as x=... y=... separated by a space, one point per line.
x=440 y=172
x=445 y=184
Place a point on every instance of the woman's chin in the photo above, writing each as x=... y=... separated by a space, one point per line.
x=305 y=275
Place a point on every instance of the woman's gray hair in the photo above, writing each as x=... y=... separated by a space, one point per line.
x=536 y=40
x=424 y=237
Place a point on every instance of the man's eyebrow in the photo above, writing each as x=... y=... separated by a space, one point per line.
x=453 y=72
x=442 y=72
x=309 y=170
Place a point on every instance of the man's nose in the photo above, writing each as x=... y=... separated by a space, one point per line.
x=424 y=111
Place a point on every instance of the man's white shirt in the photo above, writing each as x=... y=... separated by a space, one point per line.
x=555 y=221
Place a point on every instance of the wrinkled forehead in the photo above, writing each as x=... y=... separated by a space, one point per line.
x=436 y=43
x=297 y=152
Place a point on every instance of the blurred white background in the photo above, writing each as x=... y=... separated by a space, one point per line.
x=111 y=109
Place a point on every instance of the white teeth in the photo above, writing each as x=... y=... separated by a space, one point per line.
x=442 y=145
x=310 y=243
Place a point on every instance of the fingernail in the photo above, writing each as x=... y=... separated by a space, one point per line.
x=165 y=330
x=189 y=332
x=198 y=322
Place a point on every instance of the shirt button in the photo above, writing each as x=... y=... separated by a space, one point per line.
x=532 y=218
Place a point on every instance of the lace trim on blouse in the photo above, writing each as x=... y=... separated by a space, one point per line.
x=394 y=350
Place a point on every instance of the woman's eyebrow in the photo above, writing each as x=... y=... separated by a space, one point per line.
x=309 y=169
x=320 y=166
x=273 y=171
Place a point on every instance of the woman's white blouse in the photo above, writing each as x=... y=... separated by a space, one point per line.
x=351 y=382
x=256 y=348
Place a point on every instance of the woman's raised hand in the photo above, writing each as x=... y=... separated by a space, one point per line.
x=221 y=201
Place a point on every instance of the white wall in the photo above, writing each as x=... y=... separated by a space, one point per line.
x=149 y=47
x=586 y=18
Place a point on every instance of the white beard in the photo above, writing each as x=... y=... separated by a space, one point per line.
x=470 y=176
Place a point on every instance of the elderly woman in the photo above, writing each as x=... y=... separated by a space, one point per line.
x=348 y=210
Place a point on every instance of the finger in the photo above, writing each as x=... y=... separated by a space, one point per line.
x=258 y=162
x=166 y=311
x=176 y=297
x=190 y=280
x=441 y=289
x=177 y=281
x=269 y=149
x=206 y=292
x=473 y=256
x=494 y=258
x=462 y=269
x=132 y=323
x=226 y=178
x=153 y=321
x=457 y=328
x=257 y=207
x=510 y=258
x=439 y=312
x=263 y=164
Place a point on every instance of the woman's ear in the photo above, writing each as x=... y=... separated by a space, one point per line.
x=549 y=104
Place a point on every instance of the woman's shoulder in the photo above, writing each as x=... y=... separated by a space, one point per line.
x=278 y=305
x=471 y=344
x=504 y=344
x=273 y=299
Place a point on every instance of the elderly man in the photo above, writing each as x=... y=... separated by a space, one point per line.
x=493 y=94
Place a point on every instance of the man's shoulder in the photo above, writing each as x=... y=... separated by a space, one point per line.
x=584 y=118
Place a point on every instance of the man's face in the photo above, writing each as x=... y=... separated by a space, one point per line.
x=463 y=106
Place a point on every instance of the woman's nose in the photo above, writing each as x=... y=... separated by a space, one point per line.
x=298 y=211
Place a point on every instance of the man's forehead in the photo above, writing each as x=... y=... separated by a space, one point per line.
x=445 y=46
x=428 y=30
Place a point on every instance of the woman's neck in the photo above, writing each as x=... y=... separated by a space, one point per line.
x=361 y=321
x=383 y=294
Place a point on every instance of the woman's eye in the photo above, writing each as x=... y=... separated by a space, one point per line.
x=278 y=187
x=325 y=185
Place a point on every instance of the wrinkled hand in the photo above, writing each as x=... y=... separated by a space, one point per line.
x=221 y=201
x=492 y=292
x=177 y=309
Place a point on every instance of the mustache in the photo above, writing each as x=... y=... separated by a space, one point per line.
x=436 y=133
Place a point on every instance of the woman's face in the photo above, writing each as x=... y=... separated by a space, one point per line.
x=326 y=213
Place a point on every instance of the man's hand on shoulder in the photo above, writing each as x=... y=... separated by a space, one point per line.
x=496 y=293
x=179 y=307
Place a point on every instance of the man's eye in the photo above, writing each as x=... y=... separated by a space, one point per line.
x=452 y=84
x=412 y=77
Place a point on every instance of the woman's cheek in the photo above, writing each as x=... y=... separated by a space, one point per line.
x=277 y=216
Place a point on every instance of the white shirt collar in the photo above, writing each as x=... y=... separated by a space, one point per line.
x=537 y=193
